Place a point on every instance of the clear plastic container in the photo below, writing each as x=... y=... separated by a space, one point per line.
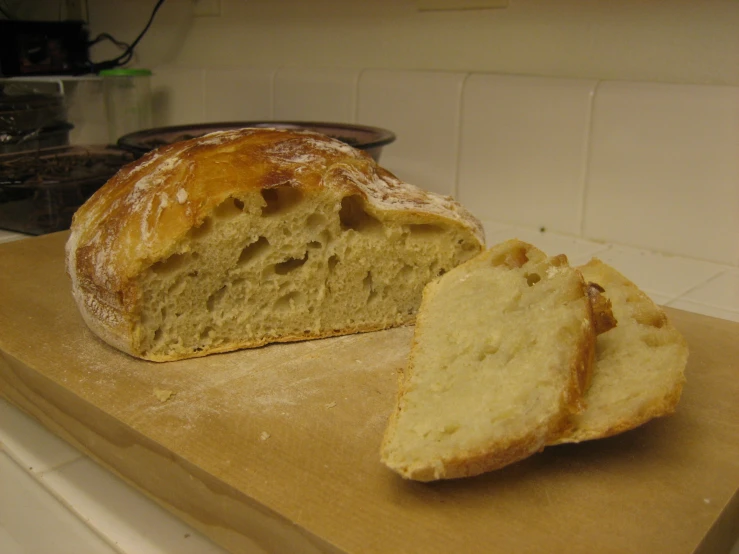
x=127 y=100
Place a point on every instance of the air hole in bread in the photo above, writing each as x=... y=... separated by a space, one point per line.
x=316 y=220
x=424 y=229
x=171 y=264
x=353 y=216
x=325 y=237
x=203 y=229
x=532 y=279
x=512 y=259
x=332 y=262
x=405 y=271
x=250 y=251
x=215 y=298
x=314 y=244
x=229 y=208
x=205 y=334
x=487 y=350
x=278 y=199
x=367 y=282
x=291 y=264
x=288 y=301
x=177 y=287
x=468 y=246
x=157 y=334
x=651 y=318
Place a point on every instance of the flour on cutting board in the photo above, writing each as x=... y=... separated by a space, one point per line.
x=279 y=380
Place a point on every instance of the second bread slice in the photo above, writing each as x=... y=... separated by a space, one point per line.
x=501 y=356
x=638 y=372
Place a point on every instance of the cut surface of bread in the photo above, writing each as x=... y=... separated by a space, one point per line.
x=242 y=238
x=638 y=373
x=501 y=356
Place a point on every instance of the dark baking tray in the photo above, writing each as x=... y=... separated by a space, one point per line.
x=41 y=190
x=364 y=137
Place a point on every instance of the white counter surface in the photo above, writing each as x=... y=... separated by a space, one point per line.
x=53 y=499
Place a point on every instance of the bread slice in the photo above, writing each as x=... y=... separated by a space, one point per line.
x=242 y=238
x=502 y=353
x=639 y=366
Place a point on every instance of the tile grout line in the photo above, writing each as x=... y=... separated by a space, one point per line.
x=81 y=456
x=355 y=96
x=272 y=92
x=586 y=162
x=38 y=479
x=701 y=284
x=459 y=129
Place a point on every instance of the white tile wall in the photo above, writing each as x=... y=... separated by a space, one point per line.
x=316 y=94
x=648 y=165
x=422 y=108
x=89 y=116
x=124 y=516
x=523 y=149
x=36 y=448
x=664 y=168
x=33 y=521
x=238 y=94
x=678 y=281
x=717 y=297
x=178 y=96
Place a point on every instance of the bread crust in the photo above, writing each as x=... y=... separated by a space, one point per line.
x=144 y=211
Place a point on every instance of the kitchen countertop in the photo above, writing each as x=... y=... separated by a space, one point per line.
x=55 y=499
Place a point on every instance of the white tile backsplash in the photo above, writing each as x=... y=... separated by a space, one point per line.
x=664 y=168
x=422 y=109
x=30 y=516
x=316 y=94
x=30 y=443
x=124 y=516
x=577 y=250
x=523 y=149
x=721 y=292
x=178 y=96
x=660 y=274
x=238 y=94
x=649 y=165
x=705 y=309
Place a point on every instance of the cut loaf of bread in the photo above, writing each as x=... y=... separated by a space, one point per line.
x=502 y=353
x=638 y=373
x=242 y=238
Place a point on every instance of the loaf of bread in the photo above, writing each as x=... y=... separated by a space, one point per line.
x=638 y=373
x=501 y=357
x=242 y=238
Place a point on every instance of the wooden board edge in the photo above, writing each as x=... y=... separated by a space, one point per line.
x=725 y=530
x=228 y=517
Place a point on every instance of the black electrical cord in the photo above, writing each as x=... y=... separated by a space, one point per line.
x=105 y=36
x=128 y=54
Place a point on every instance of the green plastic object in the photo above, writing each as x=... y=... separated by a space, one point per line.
x=123 y=72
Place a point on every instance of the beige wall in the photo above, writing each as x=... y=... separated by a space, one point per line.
x=693 y=41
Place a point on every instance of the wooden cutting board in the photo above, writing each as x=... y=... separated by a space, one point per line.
x=276 y=449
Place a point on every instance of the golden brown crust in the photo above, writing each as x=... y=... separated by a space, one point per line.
x=603 y=317
x=144 y=211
